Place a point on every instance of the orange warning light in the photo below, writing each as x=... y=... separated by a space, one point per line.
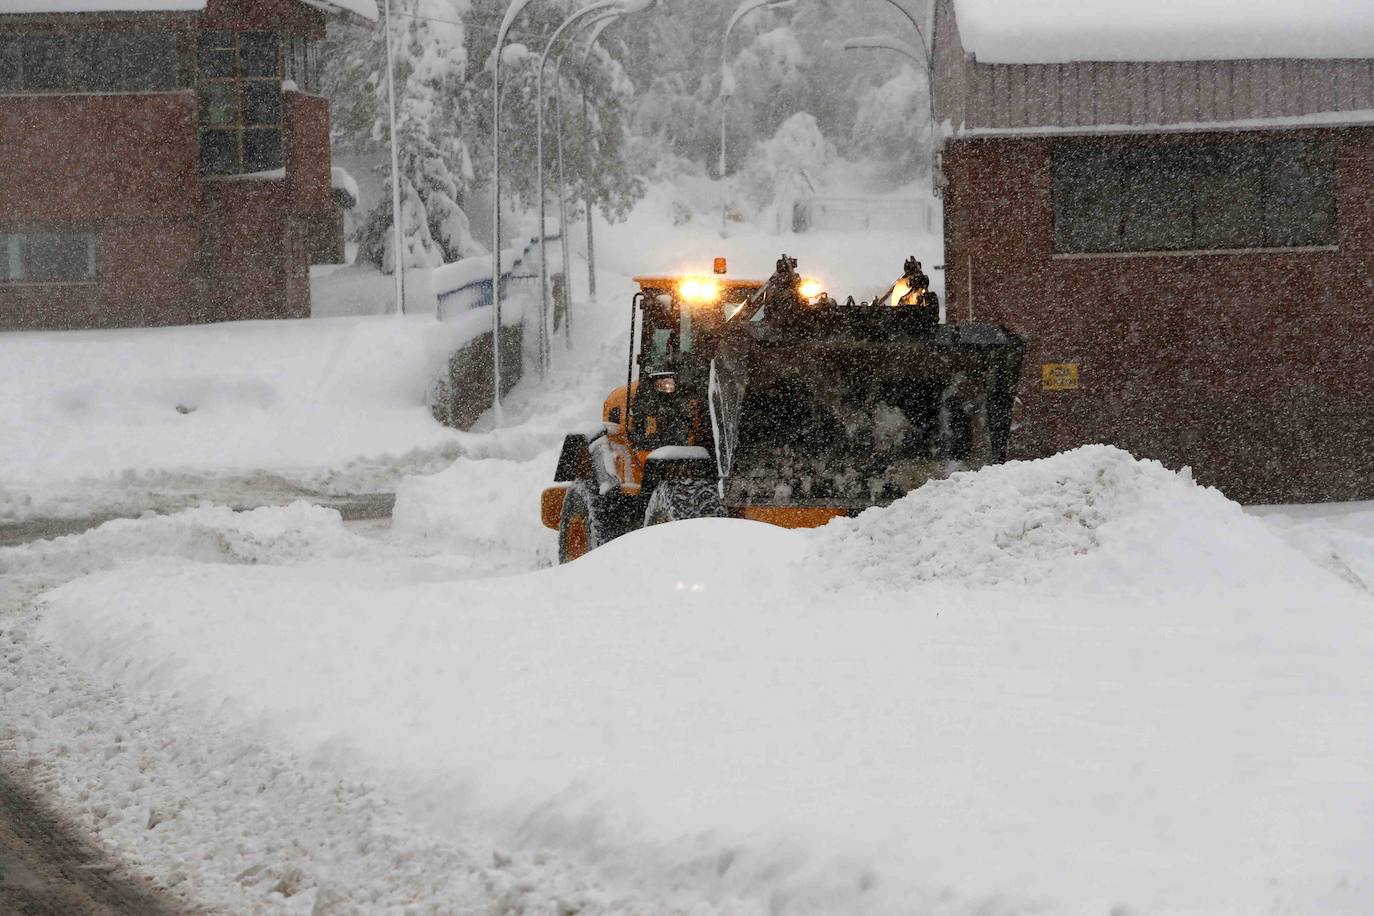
x=718 y=265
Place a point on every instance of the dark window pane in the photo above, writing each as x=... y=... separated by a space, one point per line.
x=298 y=64
x=1230 y=196
x=261 y=102
x=125 y=61
x=1157 y=206
x=261 y=150
x=9 y=63
x=6 y=255
x=258 y=54
x=219 y=152
x=218 y=64
x=1087 y=200
x=207 y=41
x=53 y=258
x=1301 y=195
x=45 y=65
x=219 y=104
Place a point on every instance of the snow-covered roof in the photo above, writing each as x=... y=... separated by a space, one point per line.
x=1061 y=31
x=364 y=8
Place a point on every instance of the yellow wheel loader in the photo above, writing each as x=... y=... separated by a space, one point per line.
x=770 y=400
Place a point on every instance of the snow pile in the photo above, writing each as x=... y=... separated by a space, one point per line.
x=232 y=824
x=1061 y=31
x=686 y=715
x=1338 y=539
x=207 y=534
x=96 y=413
x=482 y=507
x=1094 y=514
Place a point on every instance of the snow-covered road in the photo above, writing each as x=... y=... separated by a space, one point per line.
x=1065 y=686
x=1081 y=685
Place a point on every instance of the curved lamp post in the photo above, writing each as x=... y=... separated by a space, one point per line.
x=896 y=46
x=744 y=9
x=597 y=24
x=398 y=262
x=920 y=33
x=597 y=27
x=600 y=6
x=512 y=11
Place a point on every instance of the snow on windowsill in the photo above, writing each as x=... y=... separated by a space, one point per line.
x=1192 y=252
x=270 y=175
x=1355 y=118
x=67 y=93
x=44 y=284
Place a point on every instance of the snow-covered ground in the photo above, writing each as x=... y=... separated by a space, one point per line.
x=1080 y=685
x=117 y=422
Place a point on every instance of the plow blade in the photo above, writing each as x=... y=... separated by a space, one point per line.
x=855 y=407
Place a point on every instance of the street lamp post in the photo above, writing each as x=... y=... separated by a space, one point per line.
x=896 y=46
x=597 y=23
x=512 y=12
x=744 y=9
x=398 y=262
x=596 y=30
x=600 y=6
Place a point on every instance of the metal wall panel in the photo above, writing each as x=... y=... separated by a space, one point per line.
x=1086 y=94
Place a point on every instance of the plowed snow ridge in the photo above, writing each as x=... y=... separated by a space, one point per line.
x=1071 y=515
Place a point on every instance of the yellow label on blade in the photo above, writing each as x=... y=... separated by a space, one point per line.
x=1059 y=376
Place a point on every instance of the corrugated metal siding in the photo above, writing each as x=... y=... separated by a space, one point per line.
x=988 y=97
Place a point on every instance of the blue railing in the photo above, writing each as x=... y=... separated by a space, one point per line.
x=475 y=293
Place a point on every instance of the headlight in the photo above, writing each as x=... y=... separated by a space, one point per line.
x=810 y=289
x=900 y=290
x=665 y=384
x=698 y=291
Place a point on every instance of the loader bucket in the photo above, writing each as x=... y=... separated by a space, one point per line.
x=852 y=407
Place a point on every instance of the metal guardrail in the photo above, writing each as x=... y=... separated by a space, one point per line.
x=859 y=214
x=476 y=293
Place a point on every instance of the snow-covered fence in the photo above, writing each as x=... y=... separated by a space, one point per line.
x=859 y=214
x=466 y=285
x=463 y=293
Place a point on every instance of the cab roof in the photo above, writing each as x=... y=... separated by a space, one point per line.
x=669 y=281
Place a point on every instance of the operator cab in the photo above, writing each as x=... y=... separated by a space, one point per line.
x=681 y=316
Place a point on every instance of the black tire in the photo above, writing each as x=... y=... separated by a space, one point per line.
x=593 y=513
x=676 y=500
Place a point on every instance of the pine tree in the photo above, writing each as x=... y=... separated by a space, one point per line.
x=435 y=164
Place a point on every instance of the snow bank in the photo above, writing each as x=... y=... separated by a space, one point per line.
x=1339 y=537
x=688 y=714
x=485 y=507
x=1094 y=515
x=207 y=534
x=91 y=411
x=1061 y=31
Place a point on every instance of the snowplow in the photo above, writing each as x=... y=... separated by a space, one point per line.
x=771 y=400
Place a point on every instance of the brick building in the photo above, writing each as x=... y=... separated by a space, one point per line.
x=1182 y=226
x=162 y=161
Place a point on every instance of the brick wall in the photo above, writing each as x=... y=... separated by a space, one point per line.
x=1256 y=369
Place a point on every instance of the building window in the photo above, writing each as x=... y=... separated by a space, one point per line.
x=1278 y=194
x=240 y=76
x=33 y=63
x=89 y=62
x=47 y=257
x=124 y=61
x=303 y=64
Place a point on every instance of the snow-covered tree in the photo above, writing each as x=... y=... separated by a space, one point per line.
x=797 y=149
x=435 y=163
x=602 y=167
x=893 y=123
